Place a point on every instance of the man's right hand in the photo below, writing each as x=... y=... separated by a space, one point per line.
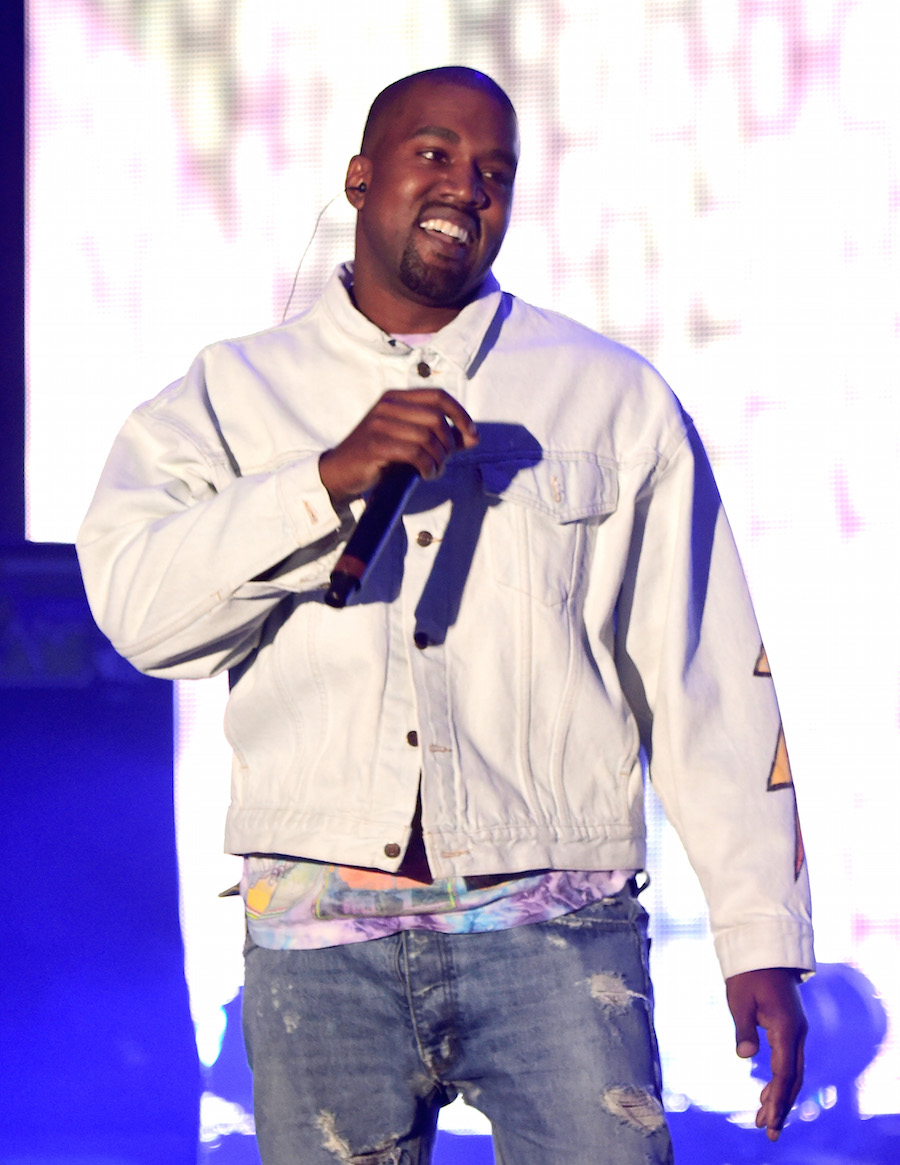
x=421 y=427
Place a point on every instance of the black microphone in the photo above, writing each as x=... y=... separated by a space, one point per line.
x=383 y=509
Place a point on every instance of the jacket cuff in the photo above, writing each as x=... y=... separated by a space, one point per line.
x=305 y=502
x=784 y=942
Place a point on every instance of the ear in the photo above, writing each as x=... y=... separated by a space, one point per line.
x=359 y=171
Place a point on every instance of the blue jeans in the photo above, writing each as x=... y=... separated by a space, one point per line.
x=546 y=1028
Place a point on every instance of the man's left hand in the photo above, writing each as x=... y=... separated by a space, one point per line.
x=770 y=999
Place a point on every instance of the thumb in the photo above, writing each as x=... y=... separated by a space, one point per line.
x=742 y=1004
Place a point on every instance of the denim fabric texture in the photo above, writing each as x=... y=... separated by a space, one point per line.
x=546 y=1028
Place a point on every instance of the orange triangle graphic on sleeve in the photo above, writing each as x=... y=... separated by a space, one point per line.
x=780 y=773
x=780 y=778
x=799 y=851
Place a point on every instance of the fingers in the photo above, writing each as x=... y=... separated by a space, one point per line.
x=443 y=406
x=770 y=999
x=785 y=1032
x=422 y=432
x=779 y=1096
x=419 y=427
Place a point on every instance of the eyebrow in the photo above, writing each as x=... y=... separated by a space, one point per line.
x=437 y=131
x=450 y=135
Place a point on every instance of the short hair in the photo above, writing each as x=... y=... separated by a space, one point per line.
x=445 y=75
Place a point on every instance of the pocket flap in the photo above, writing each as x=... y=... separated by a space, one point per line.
x=566 y=487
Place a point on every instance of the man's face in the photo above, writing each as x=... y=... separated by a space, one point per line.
x=439 y=173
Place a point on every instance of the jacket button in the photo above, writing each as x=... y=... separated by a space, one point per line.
x=392 y=850
x=412 y=738
x=423 y=369
x=420 y=639
x=424 y=538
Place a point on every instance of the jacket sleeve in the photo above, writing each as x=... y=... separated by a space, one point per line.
x=184 y=558
x=696 y=675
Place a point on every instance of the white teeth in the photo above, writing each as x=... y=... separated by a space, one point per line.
x=446 y=228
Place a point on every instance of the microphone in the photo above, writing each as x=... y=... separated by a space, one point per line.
x=383 y=509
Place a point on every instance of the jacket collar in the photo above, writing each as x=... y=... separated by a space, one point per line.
x=460 y=342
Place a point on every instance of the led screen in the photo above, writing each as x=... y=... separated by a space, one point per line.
x=714 y=184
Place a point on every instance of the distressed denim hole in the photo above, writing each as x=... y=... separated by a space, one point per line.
x=636 y=1107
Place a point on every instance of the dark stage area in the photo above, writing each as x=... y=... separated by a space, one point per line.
x=98 y=1057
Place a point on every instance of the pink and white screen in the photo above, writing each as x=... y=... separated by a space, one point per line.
x=716 y=184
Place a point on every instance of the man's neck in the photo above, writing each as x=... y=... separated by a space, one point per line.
x=396 y=316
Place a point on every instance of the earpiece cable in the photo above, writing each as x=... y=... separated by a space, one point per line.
x=305 y=253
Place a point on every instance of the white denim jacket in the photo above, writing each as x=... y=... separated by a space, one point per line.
x=572 y=583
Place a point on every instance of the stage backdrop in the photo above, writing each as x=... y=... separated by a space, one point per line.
x=715 y=184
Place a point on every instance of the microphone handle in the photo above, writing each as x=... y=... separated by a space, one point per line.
x=383 y=510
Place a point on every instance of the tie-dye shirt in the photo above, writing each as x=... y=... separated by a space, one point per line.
x=302 y=905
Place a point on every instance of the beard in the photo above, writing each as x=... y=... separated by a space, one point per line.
x=440 y=286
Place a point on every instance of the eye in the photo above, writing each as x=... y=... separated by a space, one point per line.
x=432 y=154
x=502 y=178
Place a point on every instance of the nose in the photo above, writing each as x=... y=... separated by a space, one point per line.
x=467 y=185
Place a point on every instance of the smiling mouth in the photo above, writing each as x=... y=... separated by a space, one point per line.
x=448 y=230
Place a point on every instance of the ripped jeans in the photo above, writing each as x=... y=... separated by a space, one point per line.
x=546 y=1028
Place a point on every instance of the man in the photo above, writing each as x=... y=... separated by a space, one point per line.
x=439 y=788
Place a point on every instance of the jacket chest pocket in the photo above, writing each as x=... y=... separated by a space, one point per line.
x=540 y=517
